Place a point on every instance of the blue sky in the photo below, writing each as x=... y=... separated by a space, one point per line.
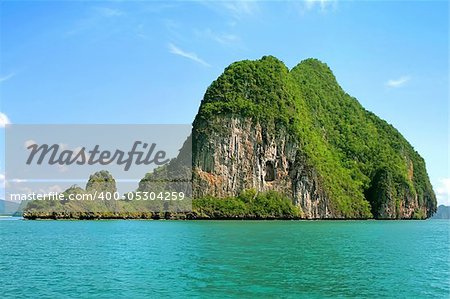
x=151 y=62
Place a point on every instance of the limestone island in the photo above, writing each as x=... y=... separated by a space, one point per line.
x=274 y=143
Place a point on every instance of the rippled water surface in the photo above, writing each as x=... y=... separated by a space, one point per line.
x=141 y=259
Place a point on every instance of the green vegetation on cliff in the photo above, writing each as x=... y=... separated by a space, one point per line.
x=365 y=165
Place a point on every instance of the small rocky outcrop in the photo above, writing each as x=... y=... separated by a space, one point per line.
x=101 y=181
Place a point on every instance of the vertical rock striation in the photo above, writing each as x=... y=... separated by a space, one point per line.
x=244 y=154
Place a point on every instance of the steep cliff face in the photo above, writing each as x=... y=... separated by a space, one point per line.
x=263 y=127
x=234 y=153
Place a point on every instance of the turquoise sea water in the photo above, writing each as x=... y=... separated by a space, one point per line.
x=157 y=259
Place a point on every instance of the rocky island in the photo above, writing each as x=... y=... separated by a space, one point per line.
x=274 y=143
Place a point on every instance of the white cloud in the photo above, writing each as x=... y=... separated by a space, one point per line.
x=109 y=12
x=96 y=16
x=18 y=181
x=2 y=181
x=7 y=77
x=192 y=56
x=443 y=191
x=222 y=38
x=310 y=5
x=239 y=9
x=4 y=120
x=235 y=9
x=394 y=83
x=28 y=143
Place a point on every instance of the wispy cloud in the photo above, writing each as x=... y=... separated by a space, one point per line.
x=306 y=6
x=222 y=38
x=234 y=9
x=2 y=182
x=160 y=6
x=109 y=12
x=94 y=17
x=189 y=55
x=321 y=4
x=7 y=77
x=28 y=143
x=394 y=83
x=239 y=9
x=4 y=120
x=176 y=30
x=443 y=191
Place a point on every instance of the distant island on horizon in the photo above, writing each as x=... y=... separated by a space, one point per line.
x=274 y=143
x=442 y=212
